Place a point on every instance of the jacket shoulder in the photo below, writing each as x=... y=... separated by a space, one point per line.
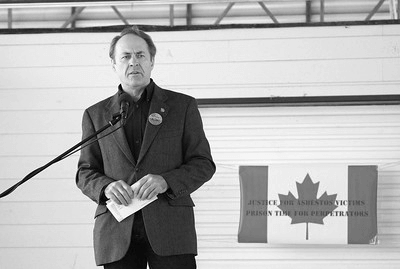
x=181 y=97
x=101 y=105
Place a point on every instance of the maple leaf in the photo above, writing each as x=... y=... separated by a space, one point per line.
x=307 y=208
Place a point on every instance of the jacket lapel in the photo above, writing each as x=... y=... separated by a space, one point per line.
x=112 y=108
x=157 y=114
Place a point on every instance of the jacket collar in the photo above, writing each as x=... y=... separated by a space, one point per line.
x=158 y=111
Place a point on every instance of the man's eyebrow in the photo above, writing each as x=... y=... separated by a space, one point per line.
x=130 y=53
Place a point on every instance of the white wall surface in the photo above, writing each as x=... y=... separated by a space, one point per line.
x=46 y=81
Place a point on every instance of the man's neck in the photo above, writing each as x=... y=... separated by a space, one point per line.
x=135 y=93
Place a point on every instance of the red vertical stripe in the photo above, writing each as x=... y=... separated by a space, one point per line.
x=254 y=193
x=362 y=193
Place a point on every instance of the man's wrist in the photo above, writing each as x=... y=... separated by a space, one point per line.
x=103 y=198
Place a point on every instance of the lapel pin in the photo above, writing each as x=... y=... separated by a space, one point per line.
x=155 y=119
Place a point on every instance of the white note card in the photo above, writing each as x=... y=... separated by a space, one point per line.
x=120 y=212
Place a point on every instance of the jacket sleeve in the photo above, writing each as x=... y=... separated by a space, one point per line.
x=197 y=166
x=90 y=176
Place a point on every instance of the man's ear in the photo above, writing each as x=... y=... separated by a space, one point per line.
x=113 y=64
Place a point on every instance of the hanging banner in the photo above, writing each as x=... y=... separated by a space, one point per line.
x=308 y=204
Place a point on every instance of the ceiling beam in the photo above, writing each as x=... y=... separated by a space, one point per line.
x=171 y=15
x=120 y=16
x=394 y=9
x=73 y=23
x=308 y=11
x=73 y=17
x=11 y=7
x=88 y=3
x=224 y=13
x=9 y=18
x=398 y=10
x=189 y=14
x=269 y=13
x=376 y=8
x=322 y=11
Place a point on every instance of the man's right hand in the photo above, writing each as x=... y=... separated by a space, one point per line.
x=119 y=192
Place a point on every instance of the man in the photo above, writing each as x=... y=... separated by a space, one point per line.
x=162 y=147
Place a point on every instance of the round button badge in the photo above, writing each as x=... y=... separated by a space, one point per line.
x=155 y=119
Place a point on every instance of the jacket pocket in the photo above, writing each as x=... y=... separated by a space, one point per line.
x=101 y=209
x=182 y=201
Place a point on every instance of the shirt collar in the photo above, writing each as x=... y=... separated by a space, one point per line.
x=148 y=90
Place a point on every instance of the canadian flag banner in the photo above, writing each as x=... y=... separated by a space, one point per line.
x=308 y=204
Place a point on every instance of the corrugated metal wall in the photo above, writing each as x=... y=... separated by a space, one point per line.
x=46 y=81
x=271 y=135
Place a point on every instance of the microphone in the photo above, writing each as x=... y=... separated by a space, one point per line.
x=124 y=101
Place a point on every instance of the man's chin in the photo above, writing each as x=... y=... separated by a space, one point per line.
x=137 y=83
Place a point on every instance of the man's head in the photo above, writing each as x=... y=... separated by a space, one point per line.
x=134 y=31
x=132 y=56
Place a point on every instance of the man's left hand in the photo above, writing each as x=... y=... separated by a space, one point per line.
x=150 y=186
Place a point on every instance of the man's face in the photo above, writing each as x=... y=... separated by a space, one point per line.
x=132 y=62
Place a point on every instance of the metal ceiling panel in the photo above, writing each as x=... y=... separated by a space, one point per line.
x=15 y=14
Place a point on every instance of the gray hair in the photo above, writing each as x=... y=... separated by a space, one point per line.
x=134 y=30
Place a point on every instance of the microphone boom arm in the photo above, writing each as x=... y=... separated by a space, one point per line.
x=116 y=118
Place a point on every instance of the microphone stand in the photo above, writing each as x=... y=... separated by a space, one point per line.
x=116 y=118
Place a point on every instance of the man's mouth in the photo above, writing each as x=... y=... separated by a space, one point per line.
x=134 y=73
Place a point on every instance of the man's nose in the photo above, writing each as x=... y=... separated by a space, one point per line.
x=133 y=61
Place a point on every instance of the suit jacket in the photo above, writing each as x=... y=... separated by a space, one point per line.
x=176 y=149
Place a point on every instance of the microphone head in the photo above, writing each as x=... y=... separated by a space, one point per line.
x=124 y=102
x=124 y=99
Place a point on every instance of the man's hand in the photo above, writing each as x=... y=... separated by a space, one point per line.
x=150 y=186
x=120 y=192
